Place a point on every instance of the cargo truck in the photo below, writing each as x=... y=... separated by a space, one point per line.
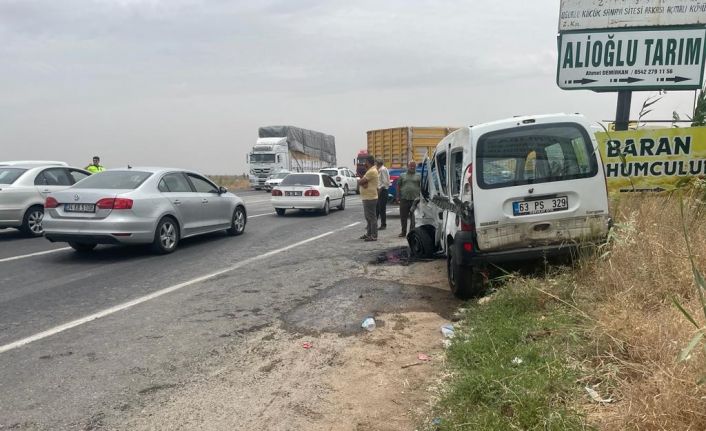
x=289 y=148
x=399 y=145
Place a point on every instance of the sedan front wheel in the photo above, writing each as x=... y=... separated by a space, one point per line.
x=237 y=223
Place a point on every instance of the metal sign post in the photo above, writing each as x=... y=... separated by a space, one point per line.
x=622 y=112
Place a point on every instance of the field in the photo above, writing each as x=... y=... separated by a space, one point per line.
x=232 y=182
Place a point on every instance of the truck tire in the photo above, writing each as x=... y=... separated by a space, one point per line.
x=421 y=243
x=464 y=281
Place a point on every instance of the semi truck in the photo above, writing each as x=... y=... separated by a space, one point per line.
x=289 y=148
x=399 y=145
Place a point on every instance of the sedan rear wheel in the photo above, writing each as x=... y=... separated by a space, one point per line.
x=342 y=205
x=237 y=224
x=166 y=236
x=345 y=190
x=326 y=209
x=32 y=221
x=280 y=211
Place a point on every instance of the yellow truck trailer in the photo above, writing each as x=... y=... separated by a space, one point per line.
x=399 y=145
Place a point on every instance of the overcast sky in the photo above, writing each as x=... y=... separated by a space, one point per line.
x=187 y=83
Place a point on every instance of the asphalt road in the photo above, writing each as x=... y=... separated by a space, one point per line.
x=85 y=337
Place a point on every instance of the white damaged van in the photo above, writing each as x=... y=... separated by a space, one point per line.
x=511 y=190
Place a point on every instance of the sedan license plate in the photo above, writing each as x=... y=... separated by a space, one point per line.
x=80 y=208
x=292 y=193
x=540 y=206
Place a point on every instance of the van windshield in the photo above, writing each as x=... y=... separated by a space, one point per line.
x=535 y=154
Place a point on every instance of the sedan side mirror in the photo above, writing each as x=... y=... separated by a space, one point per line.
x=222 y=190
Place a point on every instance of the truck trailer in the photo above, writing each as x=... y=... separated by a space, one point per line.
x=289 y=148
x=399 y=145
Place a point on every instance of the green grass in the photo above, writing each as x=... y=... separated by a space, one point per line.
x=487 y=391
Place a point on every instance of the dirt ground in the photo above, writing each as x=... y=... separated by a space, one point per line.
x=283 y=379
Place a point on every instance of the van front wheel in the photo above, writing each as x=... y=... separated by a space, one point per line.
x=464 y=281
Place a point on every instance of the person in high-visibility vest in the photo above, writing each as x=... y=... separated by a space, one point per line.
x=96 y=166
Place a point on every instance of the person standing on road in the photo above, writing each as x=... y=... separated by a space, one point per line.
x=409 y=186
x=96 y=166
x=383 y=185
x=369 y=195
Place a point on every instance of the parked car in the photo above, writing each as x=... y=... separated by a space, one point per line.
x=512 y=190
x=308 y=191
x=33 y=163
x=274 y=180
x=23 y=189
x=395 y=174
x=344 y=177
x=157 y=206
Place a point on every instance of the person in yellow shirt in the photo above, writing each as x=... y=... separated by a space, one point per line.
x=369 y=195
x=96 y=166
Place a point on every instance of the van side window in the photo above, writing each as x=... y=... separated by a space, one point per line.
x=434 y=174
x=456 y=172
x=441 y=163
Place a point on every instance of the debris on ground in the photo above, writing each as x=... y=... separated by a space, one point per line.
x=368 y=324
x=307 y=345
x=595 y=396
x=448 y=330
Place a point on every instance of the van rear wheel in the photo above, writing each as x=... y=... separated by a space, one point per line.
x=464 y=281
x=421 y=243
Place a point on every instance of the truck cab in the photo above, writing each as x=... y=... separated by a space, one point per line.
x=268 y=156
x=512 y=190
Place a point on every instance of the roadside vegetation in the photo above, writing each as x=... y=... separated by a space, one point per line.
x=231 y=182
x=603 y=345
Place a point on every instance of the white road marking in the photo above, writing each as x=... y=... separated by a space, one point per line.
x=39 y=253
x=61 y=328
x=260 y=215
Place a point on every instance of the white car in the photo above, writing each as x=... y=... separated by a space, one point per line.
x=23 y=189
x=344 y=177
x=274 y=180
x=308 y=191
x=27 y=163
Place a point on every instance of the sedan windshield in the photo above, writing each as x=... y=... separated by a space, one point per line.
x=115 y=180
x=301 y=180
x=10 y=175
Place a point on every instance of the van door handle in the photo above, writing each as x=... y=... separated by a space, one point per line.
x=177 y=202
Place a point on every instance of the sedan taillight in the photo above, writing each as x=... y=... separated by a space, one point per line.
x=50 y=202
x=114 y=204
x=276 y=192
x=312 y=192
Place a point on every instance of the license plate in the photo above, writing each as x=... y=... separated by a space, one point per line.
x=292 y=193
x=540 y=206
x=80 y=208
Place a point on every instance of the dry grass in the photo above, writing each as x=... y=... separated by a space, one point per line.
x=231 y=182
x=638 y=332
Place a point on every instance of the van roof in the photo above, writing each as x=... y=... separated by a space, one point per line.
x=530 y=119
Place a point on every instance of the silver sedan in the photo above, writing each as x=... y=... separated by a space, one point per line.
x=23 y=188
x=157 y=206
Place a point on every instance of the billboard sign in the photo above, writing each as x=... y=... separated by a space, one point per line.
x=652 y=159
x=601 y=14
x=609 y=60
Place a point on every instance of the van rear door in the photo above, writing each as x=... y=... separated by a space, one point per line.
x=538 y=184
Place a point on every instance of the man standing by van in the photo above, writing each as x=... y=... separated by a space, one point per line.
x=369 y=195
x=409 y=186
x=96 y=166
x=383 y=185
